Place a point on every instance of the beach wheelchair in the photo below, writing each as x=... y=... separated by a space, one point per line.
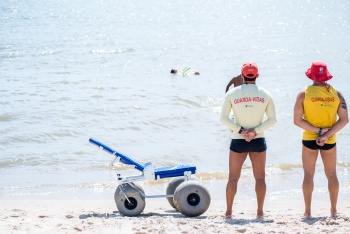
x=184 y=192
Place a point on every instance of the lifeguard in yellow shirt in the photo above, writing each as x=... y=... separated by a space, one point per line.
x=321 y=111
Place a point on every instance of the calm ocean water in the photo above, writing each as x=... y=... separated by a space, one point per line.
x=71 y=70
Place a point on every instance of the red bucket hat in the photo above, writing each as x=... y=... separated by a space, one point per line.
x=318 y=72
x=250 y=70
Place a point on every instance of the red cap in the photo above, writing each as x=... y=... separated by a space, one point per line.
x=250 y=70
x=318 y=72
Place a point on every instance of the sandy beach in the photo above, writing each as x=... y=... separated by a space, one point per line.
x=84 y=216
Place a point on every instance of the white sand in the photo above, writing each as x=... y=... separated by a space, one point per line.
x=60 y=216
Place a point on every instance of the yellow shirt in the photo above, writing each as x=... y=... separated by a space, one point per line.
x=320 y=109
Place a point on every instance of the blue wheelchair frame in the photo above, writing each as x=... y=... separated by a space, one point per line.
x=148 y=172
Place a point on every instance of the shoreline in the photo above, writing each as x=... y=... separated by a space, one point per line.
x=101 y=216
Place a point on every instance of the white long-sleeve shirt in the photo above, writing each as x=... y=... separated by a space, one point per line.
x=249 y=104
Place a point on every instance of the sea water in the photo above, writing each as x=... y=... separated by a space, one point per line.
x=71 y=70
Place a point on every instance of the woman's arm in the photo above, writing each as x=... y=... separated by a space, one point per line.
x=235 y=81
x=232 y=81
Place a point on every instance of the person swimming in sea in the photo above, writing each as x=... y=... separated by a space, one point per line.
x=185 y=72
